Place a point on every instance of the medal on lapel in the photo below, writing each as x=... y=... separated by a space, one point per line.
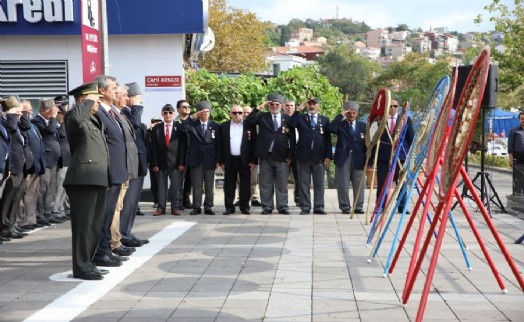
x=321 y=128
x=248 y=135
x=362 y=136
x=212 y=134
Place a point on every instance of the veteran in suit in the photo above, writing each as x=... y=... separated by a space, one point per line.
x=87 y=179
x=313 y=154
x=203 y=154
x=350 y=156
x=237 y=159
x=168 y=159
x=275 y=148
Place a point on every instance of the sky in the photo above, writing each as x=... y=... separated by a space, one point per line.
x=457 y=15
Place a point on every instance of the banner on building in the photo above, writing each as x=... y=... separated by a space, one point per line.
x=91 y=40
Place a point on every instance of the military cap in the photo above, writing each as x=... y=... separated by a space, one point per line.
x=168 y=108
x=202 y=105
x=276 y=97
x=85 y=89
x=350 y=105
x=133 y=89
x=312 y=99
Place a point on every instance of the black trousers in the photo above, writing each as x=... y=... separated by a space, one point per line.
x=87 y=215
x=518 y=178
x=10 y=201
x=231 y=172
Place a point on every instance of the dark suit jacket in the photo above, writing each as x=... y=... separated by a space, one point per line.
x=116 y=145
x=5 y=140
x=322 y=148
x=168 y=158
x=345 y=143
x=202 y=148
x=284 y=137
x=247 y=146
x=65 y=159
x=49 y=133
x=385 y=149
x=35 y=149
x=89 y=151
x=131 y=149
x=134 y=115
x=16 y=149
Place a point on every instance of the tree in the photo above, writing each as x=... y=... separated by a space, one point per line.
x=240 y=40
x=412 y=79
x=347 y=70
x=510 y=22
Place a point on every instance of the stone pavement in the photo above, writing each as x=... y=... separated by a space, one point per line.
x=261 y=268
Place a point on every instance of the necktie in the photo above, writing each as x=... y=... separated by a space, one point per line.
x=204 y=128
x=350 y=129
x=392 y=125
x=168 y=134
x=112 y=114
x=312 y=121
x=275 y=123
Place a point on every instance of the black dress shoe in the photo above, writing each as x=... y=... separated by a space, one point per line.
x=37 y=225
x=284 y=212
x=236 y=204
x=4 y=238
x=101 y=271
x=245 y=211
x=346 y=211
x=195 y=212
x=359 y=211
x=131 y=243
x=266 y=211
x=256 y=203
x=54 y=220
x=319 y=212
x=131 y=249
x=228 y=212
x=209 y=212
x=91 y=276
x=143 y=241
x=121 y=251
x=119 y=258
x=107 y=261
x=43 y=221
x=12 y=235
x=140 y=213
x=187 y=205
x=303 y=212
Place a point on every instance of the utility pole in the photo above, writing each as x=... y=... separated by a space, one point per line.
x=105 y=40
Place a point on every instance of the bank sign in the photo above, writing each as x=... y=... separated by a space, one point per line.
x=126 y=17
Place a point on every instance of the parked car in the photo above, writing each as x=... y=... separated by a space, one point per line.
x=497 y=149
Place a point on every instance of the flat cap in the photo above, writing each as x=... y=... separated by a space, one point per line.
x=47 y=103
x=133 y=89
x=276 y=97
x=202 y=105
x=350 y=105
x=156 y=119
x=168 y=108
x=85 y=89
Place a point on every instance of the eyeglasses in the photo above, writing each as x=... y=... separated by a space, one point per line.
x=237 y=113
x=185 y=106
x=274 y=104
x=394 y=106
x=168 y=112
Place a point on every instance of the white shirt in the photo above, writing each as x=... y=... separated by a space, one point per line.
x=235 y=137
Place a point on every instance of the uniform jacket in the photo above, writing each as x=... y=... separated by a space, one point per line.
x=346 y=144
x=319 y=136
x=89 y=151
x=247 y=146
x=5 y=141
x=164 y=157
x=116 y=145
x=49 y=133
x=284 y=137
x=204 y=148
